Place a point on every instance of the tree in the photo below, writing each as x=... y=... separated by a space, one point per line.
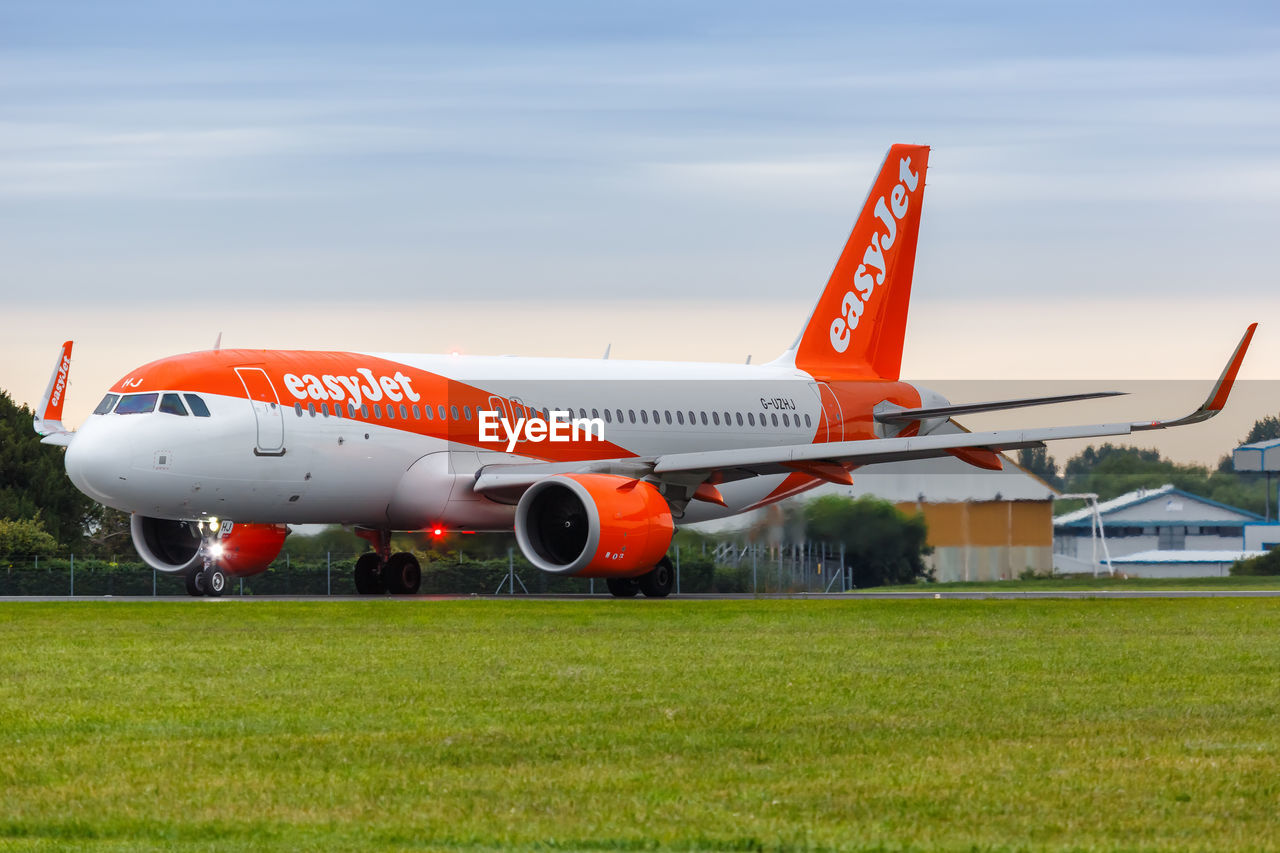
x=25 y=538
x=882 y=545
x=33 y=480
x=1110 y=471
x=1036 y=460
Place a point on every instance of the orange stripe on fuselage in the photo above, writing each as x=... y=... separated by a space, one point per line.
x=340 y=377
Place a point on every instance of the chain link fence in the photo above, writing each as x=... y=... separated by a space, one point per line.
x=700 y=570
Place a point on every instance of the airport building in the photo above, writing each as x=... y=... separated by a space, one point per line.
x=1163 y=532
x=983 y=525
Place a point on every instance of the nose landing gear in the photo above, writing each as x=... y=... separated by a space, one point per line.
x=207 y=578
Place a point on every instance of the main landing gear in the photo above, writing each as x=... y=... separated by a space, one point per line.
x=382 y=571
x=657 y=583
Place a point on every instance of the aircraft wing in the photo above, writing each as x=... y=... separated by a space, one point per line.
x=48 y=419
x=738 y=463
x=833 y=460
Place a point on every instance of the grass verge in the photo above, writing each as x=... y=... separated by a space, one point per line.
x=641 y=725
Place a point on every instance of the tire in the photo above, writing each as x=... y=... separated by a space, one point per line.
x=216 y=582
x=402 y=575
x=623 y=587
x=368 y=580
x=659 y=582
x=195 y=583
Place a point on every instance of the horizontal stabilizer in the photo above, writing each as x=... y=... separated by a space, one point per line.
x=902 y=416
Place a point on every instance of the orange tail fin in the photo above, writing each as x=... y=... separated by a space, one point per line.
x=857 y=328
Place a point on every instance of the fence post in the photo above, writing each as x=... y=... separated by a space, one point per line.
x=153 y=583
x=73 y=574
x=328 y=573
x=844 y=578
x=677 y=570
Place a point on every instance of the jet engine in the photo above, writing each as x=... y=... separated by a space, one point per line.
x=593 y=525
x=174 y=546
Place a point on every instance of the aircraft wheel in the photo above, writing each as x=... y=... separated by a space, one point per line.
x=215 y=582
x=196 y=582
x=659 y=582
x=402 y=575
x=368 y=581
x=623 y=587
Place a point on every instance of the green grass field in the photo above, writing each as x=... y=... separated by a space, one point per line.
x=724 y=725
x=1075 y=583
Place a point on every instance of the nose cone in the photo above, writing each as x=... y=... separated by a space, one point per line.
x=97 y=466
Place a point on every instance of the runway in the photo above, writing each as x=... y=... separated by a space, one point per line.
x=835 y=596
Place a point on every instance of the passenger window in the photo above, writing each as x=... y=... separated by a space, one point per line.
x=427 y=412
x=311 y=409
x=786 y=419
x=337 y=410
x=668 y=414
x=774 y=417
x=739 y=417
x=377 y=411
x=619 y=411
x=680 y=417
x=631 y=414
x=692 y=419
x=466 y=412
x=608 y=416
x=297 y=409
x=453 y=410
x=582 y=413
x=364 y=411
x=137 y=404
x=196 y=403
x=704 y=418
x=171 y=404
x=351 y=410
x=443 y=415
x=655 y=416
x=644 y=416
x=417 y=413
x=391 y=412
x=107 y=404
x=715 y=418
x=324 y=410
x=808 y=422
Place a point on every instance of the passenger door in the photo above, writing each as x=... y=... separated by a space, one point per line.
x=266 y=410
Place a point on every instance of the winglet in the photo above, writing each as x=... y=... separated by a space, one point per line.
x=48 y=419
x=1217 y=398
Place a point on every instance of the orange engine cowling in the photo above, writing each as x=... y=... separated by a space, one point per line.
x=593 y=525
x=247 y=549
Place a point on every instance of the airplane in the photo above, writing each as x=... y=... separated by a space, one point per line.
x=592 y=462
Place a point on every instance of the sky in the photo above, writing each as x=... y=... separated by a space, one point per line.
x=672 y=179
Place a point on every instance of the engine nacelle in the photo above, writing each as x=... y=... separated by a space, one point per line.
x=593 y=525
x=174 y=546
x=248 y=549
x=168 y=546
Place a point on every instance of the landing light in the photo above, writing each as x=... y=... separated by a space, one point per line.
x=215 y=550
x=437 y=532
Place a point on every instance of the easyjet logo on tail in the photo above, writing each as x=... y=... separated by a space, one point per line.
x=875 y=260
x=60 y=385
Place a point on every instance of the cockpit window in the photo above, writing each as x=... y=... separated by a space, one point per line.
x=108 y=403
x=137 y=404
x=198 y=408
x=171 y=404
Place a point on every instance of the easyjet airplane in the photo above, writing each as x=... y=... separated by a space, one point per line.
x=593 y=462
